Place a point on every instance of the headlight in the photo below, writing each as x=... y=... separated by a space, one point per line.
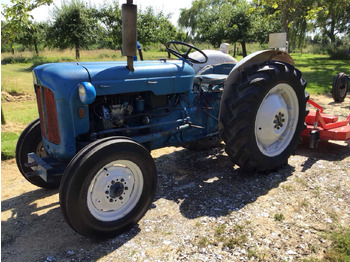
x=82 y=93
x=87 y=93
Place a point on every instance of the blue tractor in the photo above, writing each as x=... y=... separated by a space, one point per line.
x=99 y=121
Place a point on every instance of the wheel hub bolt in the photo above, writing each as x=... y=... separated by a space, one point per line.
x=116 y=190
x=278 y=121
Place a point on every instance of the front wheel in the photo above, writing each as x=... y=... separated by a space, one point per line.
x=30 y=142
x=108 y=187
x=263 y=116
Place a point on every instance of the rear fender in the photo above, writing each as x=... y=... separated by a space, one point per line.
x=249 y=61
x=256 y=59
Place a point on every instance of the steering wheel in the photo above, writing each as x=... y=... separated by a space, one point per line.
x=176 y=52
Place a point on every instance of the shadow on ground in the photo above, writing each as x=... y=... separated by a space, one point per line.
x=328 y=151
x=39 y=233
x=206 y=181
x=209 y=184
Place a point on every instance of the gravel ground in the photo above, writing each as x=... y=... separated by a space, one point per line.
x=205 y=209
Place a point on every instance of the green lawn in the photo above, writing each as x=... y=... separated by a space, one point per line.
x=8 y=144
x=17 y=116
x=340 y=249
x=319 y=71
x=20 y=113
x=17 y=78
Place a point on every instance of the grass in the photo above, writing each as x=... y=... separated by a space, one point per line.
x=233 y=242
x=340 y=250
x=301 y=181
x=8 y=144
x=317 y=191
x=67 y=55
x=289 y=188
x=17 y=116
x=17 y=78
x=279 y=217
x=203 y=242
x=220 y=230
x=319 y=71
x=20 y=112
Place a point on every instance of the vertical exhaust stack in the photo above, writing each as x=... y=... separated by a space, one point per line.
x=129 y=20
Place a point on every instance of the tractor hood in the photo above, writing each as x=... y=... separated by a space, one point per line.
x=159 y=77
x=109 y=78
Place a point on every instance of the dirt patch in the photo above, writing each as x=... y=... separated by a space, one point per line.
x=16 y=97
x=13 y=127
x=342 y=110
x=205 y=209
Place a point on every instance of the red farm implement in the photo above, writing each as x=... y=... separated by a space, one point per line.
x=325 y=127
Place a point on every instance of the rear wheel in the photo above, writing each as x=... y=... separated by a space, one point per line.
x=30 y=142
x=108 y=187
x=340 y=87
x=263 y=116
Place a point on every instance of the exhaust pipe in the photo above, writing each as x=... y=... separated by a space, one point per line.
x=129 y=31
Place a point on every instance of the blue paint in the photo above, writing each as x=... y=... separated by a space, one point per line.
x=167 y=80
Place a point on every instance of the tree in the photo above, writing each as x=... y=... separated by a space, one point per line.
x=238 y=20
x=33 y=35
x=217 y=21
x=152 y=27
x=6 y=40
x=232 y=21
x=264 y=22
x=192 y=18
x=210 y=26
x=111 y=31
x=73 y=27
x=155 y=27
x=333 y=18
x=294 y=16
x=17 y=19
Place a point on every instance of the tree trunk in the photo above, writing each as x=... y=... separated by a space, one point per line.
x=285 y=23
x=234 y=50
x=244 y=49
x=77 y=52
x=331 y=32
x=3 y=121
x=36 y=47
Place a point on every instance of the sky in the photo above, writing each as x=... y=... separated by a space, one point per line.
x=167 y=6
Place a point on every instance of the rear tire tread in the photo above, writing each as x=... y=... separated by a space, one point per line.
x=238 y=112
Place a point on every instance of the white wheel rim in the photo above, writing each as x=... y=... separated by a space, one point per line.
x=115 y=190
x=40 y=150
x=276 y=120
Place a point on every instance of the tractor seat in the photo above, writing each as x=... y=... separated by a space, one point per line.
x=210 y=79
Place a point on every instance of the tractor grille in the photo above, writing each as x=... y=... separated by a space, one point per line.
x=47 y=114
